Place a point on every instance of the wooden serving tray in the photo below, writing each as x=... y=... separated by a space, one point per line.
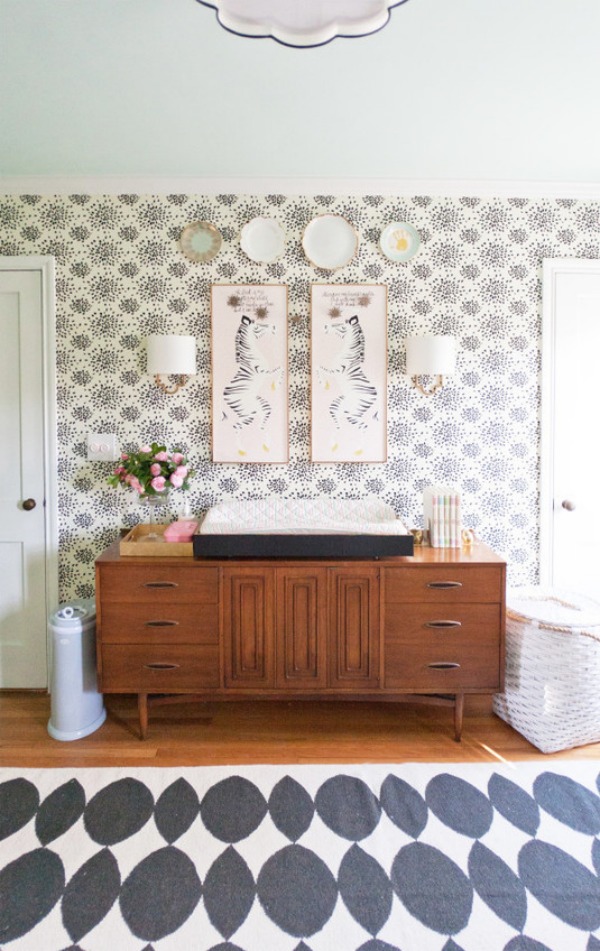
x=136 y=542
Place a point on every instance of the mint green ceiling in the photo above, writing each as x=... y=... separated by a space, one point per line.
x=450 y=89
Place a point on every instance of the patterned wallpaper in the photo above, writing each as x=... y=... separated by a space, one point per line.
x=121 y=275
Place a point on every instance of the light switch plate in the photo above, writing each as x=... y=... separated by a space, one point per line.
x=102 y=447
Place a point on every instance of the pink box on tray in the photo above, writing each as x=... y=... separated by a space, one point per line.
x=180 y=531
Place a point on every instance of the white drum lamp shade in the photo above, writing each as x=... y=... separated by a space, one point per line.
x=430 y=356
x=169 y=353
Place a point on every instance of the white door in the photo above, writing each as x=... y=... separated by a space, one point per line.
x=570 y=497
x=25 y=566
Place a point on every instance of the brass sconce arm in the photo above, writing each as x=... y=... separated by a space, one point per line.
x=436 y=384
x=169 y=390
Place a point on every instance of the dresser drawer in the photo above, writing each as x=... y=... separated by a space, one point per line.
x=447 y=652
x=159 y=669
x=168 y=623
x=159 y=584
x=447 y=583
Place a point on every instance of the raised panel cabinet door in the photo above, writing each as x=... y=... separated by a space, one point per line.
x=354 y=652
x=301 y=627
x=248 y=623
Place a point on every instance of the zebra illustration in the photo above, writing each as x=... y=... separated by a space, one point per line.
x=242 y=395
x=357 y=394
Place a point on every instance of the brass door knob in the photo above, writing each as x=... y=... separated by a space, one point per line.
x=569 y=506
x=29 y=504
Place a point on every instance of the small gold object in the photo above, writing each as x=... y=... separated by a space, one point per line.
x=417 y=534
x=468 y=537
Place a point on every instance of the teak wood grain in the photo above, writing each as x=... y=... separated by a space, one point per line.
x=302 y=629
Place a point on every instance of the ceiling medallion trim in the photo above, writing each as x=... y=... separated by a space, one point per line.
x=313 y=23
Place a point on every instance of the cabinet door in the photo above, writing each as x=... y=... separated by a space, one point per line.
x=354 y=628
x=248 y=613
x=301 y=627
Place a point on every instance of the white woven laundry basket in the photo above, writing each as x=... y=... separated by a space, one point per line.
x=552 y=685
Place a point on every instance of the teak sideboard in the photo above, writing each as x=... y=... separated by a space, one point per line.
x=428 y=627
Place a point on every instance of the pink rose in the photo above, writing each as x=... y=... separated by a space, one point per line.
x=136 y=484
x=177 y=458
x=124 y=456
x=155 y=468
x=176 y=481
x=119 y=470
x=146 y=449
x=158 y=484
x=162 y=457
x=181 y=471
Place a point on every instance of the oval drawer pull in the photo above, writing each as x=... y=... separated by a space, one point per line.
x=444 y=584
x=160 y=584
x=443 y=665
x=162 y=623
x=443 y=625
x=162 y=666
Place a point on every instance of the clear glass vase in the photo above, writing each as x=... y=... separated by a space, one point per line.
x=152 y=504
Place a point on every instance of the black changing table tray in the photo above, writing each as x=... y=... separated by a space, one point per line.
x=335 y=545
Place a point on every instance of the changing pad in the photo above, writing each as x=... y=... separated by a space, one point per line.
x=274 y=515
x=302 y=528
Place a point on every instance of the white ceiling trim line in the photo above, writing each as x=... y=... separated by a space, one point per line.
x=159 y=185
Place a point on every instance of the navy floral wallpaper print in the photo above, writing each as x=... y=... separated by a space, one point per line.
x=477 y=275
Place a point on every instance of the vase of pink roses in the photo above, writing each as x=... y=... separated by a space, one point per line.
x=152 y=472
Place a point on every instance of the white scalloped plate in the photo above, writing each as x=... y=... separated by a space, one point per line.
x=263 y=240
x=399 y=241
x=329 y=242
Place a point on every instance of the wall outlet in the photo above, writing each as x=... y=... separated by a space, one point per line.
x=102 y=447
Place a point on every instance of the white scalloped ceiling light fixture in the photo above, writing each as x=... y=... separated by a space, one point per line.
x=302 y=23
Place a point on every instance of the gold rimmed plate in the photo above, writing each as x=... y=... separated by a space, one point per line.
x=200 y=241
x=263 y=240
x=399 y=241
x=329 y=242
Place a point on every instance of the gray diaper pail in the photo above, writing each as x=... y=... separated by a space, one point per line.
x=77 y=708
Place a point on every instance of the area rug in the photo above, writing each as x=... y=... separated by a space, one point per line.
x=412 y=857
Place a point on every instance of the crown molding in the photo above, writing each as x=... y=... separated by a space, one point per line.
x=166 y=185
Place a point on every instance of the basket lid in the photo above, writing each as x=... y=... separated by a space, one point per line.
x=553 y=608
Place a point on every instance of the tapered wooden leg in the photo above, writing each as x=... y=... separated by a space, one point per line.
x=459 y=707
x=143 y=714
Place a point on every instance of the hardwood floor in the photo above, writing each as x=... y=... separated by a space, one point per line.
x=268 y=732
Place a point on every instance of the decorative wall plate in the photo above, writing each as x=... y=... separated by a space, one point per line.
x=200 y=241
x=263 y=240
x=329 y=242
x=399 y=241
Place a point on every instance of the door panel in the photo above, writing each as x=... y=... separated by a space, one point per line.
x=301 y=627
x=23 y=661
x=571 y=447
x=248 y=627
x=354 y=628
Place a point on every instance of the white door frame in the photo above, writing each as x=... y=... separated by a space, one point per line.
x=44 y=265
x=552 y=268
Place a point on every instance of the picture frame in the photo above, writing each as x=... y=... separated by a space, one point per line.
x=348 y=372
x=249 y=354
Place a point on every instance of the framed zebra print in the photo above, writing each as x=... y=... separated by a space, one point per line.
x=349 y=373
x=249 y=373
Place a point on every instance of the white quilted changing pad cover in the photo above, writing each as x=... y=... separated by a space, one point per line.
x=322 y=516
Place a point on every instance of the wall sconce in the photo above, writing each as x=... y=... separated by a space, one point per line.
x=169 y=354
x=430 y=357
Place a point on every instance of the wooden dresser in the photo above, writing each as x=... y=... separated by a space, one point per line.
x=427 y=627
